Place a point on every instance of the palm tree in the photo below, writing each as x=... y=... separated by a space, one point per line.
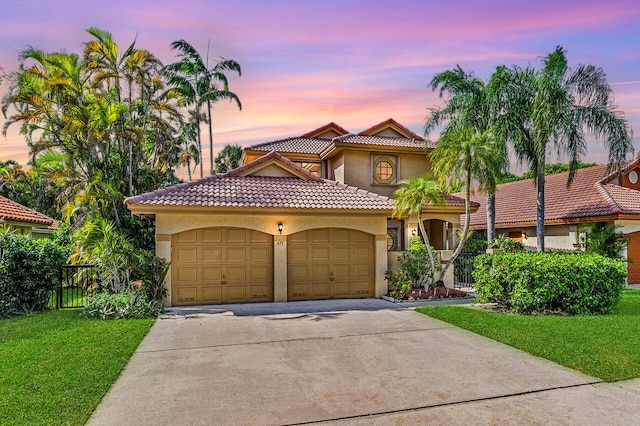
x=228 y=158
x=471 y=104
x=461 y=156
x=558 y=106
x=197 y=83
x=415 y=194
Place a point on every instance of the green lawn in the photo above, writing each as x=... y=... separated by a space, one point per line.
x=604 y=346
x=55 y=367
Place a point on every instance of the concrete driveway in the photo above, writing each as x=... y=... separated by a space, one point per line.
x=345 y=362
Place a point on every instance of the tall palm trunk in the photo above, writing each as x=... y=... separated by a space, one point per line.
x=200 y=149
x=210 y=138
x=465 y=231
x=540 y=205
x=491 y=216
x=425 y=237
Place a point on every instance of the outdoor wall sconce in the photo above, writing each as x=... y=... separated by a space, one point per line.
x=524 y=236
x=413 y=232
x=280 y=227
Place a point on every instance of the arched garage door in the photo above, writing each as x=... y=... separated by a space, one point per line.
x=633 y=255
x=330 y=263
x=221 y=265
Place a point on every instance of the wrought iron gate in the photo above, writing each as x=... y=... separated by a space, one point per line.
x=76 y=282
x=462 y=269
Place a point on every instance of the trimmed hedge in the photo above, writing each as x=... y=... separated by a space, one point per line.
x=571 y=283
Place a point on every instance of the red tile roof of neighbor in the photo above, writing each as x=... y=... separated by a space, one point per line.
x=234 y=190
x=588 y=196
x=12 y=211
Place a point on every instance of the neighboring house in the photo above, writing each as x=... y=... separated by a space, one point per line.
x=25 y=220
x=302 y=218
x=594 y=196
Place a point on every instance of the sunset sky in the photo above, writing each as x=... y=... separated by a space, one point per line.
x=306 y=63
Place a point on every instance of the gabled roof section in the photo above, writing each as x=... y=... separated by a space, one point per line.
x=589 y=196
x=15 y=212
x=328 y=131
x=390 y=128
x=293 y=145
x=272 y=164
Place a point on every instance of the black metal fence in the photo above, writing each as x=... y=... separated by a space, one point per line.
x=462 y=269
x=76 y=282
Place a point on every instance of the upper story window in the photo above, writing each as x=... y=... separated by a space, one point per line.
x=385 y=169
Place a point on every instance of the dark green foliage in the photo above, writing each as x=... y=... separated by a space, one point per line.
x=415 y=264
x=570 y=283
x=228 y=158
x=507 y=244
x=153 y=270
x=30 y=270
x=476 y=243
x=603 y=239
x=131 y=305
x=549 y=169
x=399 y=284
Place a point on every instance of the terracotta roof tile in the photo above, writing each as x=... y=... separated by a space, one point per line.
x=586 y=197
x=264 y=192
x=296 y=145
x=384 y=141
x=12 y=211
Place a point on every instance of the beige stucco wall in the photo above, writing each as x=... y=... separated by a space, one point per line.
x=556 y=237
x=170 y=223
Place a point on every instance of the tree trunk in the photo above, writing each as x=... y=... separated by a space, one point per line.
x=465 y=231
x=425 y=237
x=210 y=138
x=200 y=150
x=540 y=202
x=491 y=217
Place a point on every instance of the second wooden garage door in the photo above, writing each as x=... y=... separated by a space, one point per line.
x=221 y=265
x=330 y=263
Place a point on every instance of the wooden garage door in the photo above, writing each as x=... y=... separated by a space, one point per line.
x=221 y=265
x=330 y=263
x=633 y=254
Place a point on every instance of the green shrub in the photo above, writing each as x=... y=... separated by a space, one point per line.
x=29 y=270
x=399 y=284
x=569 y=283
x=122 y=305
x=507 y=244
x=416 y=265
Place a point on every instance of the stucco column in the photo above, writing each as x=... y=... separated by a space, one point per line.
x=163 y=250
x=279 y=268
x=381 y=265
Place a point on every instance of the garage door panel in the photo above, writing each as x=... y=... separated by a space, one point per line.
x=186 y=254
x=211 y=275
x=259 y=254
x=320 y=254
x=236 y=293
x=319 y=236
x=211 y=235
x=236 y=235
x=187 y=275
x=211 y=254
x=299 y=254
x=186 y=294
x=327 y=263
x=235 y=254
x=187 y=236
x=211 y=294
x=341 y=252
x=221 y=265
x=260 y=273
x=321 y=290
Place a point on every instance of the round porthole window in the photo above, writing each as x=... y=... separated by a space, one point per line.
x=633 y=177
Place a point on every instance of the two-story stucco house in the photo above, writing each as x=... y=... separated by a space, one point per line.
x=302 y=218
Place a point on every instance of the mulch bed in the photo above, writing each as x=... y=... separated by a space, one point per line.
x=434 y=293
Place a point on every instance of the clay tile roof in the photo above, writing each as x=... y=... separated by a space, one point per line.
x=384 y=141
x=390 y=123
x=622 y=200
x=264 y=192
x=294 y=145
x=327 y=127
x=12 y=211
x=586 y=197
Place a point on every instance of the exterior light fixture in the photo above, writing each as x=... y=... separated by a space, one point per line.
x=413 y=232
x=524 y=236
x=280 y=227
